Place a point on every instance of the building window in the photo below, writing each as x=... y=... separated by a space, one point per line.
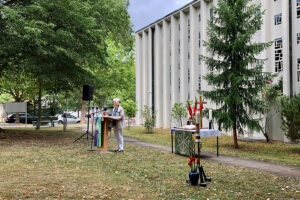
x=211 y=13
x=278 y=55
x=278 y=19
x=199 y=17
x=199 y=82
x=298 y=70
x=298 y=8
x=189 y=30
x=199 y=36
x=170 y=74
x=189 y=75
x=298 y=38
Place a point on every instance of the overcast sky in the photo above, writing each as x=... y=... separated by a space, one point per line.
x=145 y=12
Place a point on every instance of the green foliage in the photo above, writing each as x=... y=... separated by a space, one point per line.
x=62 y=44
x=4 y=97
x=290 y=116
x=130 y=109
x=18 y=84
x=236 y=73
x=149 y=119
x=179 y=112
x=118 y=79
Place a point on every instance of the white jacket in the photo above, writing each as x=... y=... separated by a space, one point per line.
x=120 y=124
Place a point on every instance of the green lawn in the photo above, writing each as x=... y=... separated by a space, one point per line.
x=276 y=152
x=48 y=165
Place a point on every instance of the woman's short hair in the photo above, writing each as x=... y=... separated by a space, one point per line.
x=117 y=100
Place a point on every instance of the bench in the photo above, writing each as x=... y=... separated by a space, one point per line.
x=47 y=121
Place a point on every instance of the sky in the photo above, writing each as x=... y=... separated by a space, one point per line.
x=145 y=12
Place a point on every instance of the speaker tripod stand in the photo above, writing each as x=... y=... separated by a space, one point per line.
x=87 y=133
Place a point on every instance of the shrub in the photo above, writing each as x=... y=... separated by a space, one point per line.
x=130 y=108
x=290 y=116
x=149 y=119
x=179 y=112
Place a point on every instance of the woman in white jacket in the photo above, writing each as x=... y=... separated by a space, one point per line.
x=119 y=124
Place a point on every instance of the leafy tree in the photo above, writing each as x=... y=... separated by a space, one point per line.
x=118 y=79
x=236 y=73
x=15 y=82
x=179 y=112
x=130 y=108
x=290 y=116
x=149 y=119
x=60 y=42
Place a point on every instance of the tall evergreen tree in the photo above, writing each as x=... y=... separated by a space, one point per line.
x=236 y=73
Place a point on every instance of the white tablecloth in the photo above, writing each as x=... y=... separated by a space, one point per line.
x=203 y=132
x=209 y=133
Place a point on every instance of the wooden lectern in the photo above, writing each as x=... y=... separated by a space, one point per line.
x=104 y=136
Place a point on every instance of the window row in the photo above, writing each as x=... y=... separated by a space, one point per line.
x=278 y=55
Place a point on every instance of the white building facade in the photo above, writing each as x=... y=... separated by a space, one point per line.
x=168 y=69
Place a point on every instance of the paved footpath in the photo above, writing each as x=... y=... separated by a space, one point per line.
x=283 y=170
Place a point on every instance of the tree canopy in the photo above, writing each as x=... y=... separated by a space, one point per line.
x=60 y=43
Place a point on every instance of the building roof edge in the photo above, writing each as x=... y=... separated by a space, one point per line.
x=166 y=16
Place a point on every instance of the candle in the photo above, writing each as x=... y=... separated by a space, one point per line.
x=198 y=117
x=210 y=114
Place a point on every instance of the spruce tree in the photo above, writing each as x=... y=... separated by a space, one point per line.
x=236 y=73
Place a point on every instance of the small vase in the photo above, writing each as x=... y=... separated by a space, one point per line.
x=194 y=177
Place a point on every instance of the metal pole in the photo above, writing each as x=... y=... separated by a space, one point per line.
x=87 y=131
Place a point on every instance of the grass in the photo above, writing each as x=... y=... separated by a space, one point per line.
x=277 y=152
x=47 y=164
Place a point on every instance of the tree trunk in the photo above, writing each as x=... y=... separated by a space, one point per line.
x=236 y=146
x=266 y=131
x=38 y=125
x=83 y=108
x=17 y=118
x=34 y=107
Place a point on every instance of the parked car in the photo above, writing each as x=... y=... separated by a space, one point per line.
x=12 y=118
x=71 y=119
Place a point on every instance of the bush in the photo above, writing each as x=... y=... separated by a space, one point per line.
x=290 y=116
x=130 y=108
x=179 y=112
x=149 y=119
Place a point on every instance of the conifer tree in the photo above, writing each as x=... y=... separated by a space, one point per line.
x=236 y=74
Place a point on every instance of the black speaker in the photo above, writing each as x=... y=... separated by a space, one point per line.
x=87 y=93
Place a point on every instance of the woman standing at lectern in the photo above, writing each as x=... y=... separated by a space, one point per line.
x=119 y=124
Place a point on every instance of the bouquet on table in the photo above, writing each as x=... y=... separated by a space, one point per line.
x=192 y=113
